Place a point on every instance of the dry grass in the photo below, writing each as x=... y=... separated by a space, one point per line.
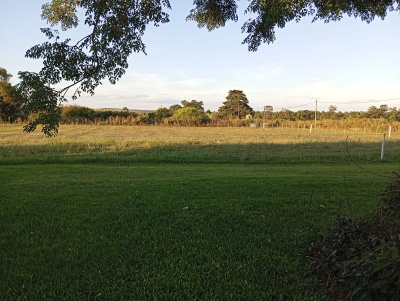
x=195 y=144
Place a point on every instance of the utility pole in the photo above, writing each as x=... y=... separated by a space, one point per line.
x=316 y=109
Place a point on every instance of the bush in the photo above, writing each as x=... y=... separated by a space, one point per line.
x=76 y=114
x=360 y=260
x=190 y=116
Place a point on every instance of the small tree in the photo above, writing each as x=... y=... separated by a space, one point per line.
x=383 y=109
x=332 y=113
x=393 y=114
x=373 y=112
x=191 y=116
x=304 y=115
x=10 y=105
x=161 y=114
x=286 y=114
x=71 y=114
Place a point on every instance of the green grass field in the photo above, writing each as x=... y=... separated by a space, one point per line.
x=147 y=213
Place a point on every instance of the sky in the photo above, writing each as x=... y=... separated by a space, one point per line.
x=350 y=64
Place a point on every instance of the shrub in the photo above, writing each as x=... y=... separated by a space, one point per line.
x=190 y=116
x=76 y=114
x=360 y=259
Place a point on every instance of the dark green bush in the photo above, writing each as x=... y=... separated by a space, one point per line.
x=360 y=259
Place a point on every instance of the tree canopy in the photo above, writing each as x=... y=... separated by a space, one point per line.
x=194 y=104
x=10 y=106
x=190 y=115
x=236 y=105
x=116 y=28
x=4 y=75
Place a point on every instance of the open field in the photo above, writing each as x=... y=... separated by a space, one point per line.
x=147 y=213
x=152 y=144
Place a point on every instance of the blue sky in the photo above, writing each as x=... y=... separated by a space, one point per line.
x=350 y=64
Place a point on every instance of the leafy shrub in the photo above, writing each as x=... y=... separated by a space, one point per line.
x=190 y=116
x=76 y=114
x=360 y=259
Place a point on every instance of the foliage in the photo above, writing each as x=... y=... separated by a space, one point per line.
x=10 y=103
x=174 y=108
x=361 y=258
x=161 y=114
x=116 y=31
x=6 y=100
x=40 y=100
x=84 y=115
x=331 y=114
x=193 y=103
x=346 y=121
x=305 y=115
x=75 y=113
x=61 y=11
x=236 y=105
x=374 y=112
x=145 y=118
x=286 y=114
x=383 y=113
x=190 y=115
x=4 y=75
x=186 y=104
x=272 y=14
x=212 y=14
x=116 y=28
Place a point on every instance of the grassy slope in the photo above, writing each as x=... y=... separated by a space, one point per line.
x=152 y=231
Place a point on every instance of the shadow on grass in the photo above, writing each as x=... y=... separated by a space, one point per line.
x=197 y=152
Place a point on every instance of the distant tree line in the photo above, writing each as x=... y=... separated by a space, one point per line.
x=383 y=112
x=84 y=115
x=192 y=113
x=235 y=111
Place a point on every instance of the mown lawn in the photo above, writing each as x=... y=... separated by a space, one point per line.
x=109 y=226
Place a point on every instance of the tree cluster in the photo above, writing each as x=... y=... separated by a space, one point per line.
x=373 y=112
x=82 y=115
x=235 y=110
x=187 y=113
x=10 y=106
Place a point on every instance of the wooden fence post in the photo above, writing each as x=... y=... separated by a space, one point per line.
x=383 y=147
